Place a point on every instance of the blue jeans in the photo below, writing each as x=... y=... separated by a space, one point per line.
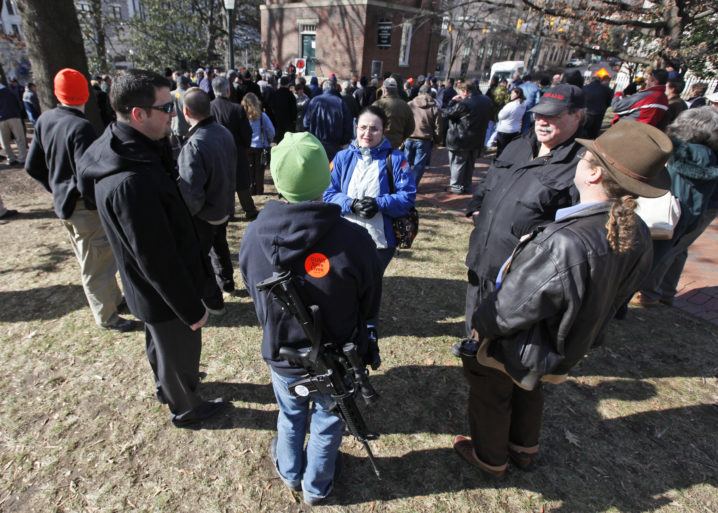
x=314 y=470
x=418 y=153
x=668 y=265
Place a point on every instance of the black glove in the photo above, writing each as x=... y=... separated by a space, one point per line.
x=368 y=208
x=356 y=206
x=372 y=357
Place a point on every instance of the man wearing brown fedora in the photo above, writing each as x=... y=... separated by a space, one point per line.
x=556 y=293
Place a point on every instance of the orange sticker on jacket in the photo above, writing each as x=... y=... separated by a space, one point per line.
x=317 y=265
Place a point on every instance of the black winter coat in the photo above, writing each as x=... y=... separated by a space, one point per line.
x=147 y=224
x=335 y=262
x=283 y=105
x=559 y=293
x=234 y=118
x=468 y=120
x=519 y=193
x=62 y=135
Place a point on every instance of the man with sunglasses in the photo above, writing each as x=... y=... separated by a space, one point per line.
x=151 y=233
x=61 y=137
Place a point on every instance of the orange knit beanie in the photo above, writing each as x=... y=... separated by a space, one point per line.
x=71 y=87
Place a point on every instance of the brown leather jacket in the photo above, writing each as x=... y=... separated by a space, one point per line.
x=426 y=118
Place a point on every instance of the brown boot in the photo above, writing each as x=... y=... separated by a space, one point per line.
x=465 y=448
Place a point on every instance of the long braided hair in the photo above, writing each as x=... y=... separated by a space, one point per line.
x=622 y=224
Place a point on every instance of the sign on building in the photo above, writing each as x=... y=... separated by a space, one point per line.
x=383 y=38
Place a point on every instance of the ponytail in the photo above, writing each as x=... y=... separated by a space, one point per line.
x=622 y=224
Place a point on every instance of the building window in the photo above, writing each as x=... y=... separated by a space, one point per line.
x=405 y=47
x=16 y=30
x=376 y=69
x=10 y=9
x=83 y=7
x=116 y=12
x=308 y=29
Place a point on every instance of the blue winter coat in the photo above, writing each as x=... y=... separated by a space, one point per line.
x=390 y=205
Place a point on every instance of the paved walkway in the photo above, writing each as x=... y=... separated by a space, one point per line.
x=697 y=290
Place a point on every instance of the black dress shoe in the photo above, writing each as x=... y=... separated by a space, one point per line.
x=202 y=412
x=123 y=325
x=251 y=216
x=122 y=308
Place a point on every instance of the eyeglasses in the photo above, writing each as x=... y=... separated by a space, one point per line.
x=167 y=108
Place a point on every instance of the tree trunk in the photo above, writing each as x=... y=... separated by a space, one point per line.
x=54 y=42
x=99 y=30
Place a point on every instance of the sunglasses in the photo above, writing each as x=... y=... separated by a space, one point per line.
x=167 y=108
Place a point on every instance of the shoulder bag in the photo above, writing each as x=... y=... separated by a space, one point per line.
x=407 y=226
x=660 y=214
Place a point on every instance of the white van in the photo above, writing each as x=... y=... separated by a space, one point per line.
x=506 y=69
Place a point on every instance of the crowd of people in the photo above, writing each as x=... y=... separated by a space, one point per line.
x=153 y=195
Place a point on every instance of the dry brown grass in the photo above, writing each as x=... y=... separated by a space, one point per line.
x=633 y=430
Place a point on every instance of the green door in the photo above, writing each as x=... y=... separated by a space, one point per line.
x=309 y=50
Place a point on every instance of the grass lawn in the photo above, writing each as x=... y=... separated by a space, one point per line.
x=634 y=429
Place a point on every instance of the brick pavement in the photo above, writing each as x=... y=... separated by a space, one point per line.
x=697 y=290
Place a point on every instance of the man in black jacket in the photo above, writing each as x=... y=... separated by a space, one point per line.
x=335 y=261
x=151 y=233
x=207 y=168
x=233 y=117
x=283 y=104
x=598 y=99
x=468 y=115
x=523 y=189
x=62 y=135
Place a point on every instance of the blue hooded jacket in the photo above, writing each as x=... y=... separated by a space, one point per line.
x=390 y=205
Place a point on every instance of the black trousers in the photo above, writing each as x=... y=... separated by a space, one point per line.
x=173 y=351
x=246 y=202
x=207 y=233
x=501 y=413
x=221 y=257
x=256 y=171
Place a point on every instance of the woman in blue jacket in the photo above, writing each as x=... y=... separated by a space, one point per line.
x=360 y=185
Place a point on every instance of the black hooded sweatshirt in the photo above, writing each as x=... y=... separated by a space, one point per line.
x=147 y=224
x=335 y=263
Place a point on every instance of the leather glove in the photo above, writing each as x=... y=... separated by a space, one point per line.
x=356 y=206
x=369 y=207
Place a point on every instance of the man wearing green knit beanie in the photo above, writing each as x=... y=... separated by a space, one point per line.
x=336 y=262
x=300 y=168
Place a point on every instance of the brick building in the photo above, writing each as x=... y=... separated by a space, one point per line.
x=351 y=38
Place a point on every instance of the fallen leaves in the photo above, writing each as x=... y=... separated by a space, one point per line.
x=572 y=439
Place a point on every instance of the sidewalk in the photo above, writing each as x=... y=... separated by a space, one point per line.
x=697 y=290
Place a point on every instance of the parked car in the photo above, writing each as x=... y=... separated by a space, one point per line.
x=575 y=63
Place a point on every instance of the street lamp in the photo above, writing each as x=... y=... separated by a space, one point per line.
x=229 y=5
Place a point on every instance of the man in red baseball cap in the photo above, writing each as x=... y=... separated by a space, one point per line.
x=61 y=137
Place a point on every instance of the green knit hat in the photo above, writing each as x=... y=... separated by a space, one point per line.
x=300 y=168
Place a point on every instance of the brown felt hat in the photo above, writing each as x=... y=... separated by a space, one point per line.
x=635 y=155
